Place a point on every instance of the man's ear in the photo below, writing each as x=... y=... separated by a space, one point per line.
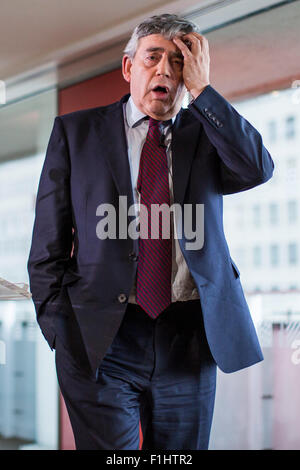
x=126 y=67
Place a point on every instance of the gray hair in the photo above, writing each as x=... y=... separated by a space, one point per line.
x=167 y=25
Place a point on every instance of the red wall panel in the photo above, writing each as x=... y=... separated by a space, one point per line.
x=97 y=91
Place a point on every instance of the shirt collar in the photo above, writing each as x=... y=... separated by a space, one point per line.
x=134 y=116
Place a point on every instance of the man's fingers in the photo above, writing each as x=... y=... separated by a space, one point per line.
x=196 y=45
x=182 y=46
x=205 y=44
x=198 y=40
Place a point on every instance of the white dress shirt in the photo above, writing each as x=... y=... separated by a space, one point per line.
x=136 y=128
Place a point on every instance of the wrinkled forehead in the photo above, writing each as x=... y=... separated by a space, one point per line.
x=158 y=43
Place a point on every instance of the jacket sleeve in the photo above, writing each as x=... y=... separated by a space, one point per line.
x=52 y=232
x=244 y=161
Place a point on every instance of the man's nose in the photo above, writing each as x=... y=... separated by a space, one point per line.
x=164 y=67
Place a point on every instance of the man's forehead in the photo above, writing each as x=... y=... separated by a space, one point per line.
x=157 y=42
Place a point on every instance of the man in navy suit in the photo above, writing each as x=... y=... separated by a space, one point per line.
x=139 y=326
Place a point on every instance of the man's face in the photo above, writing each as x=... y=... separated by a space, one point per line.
x=155 y=77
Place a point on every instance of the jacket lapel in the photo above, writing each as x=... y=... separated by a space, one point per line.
x=114 y=144
x=185 y=136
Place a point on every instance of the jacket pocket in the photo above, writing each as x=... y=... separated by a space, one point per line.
x=236 y=272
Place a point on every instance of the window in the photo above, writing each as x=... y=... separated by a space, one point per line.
x=28 y=394
x=260 y=405
x=257 y=256
x=274 y=255
x=292 y=213
x=274 y=288
x=293 y=287
x=256 y=215
x=257 y=289
x=290 y=130
x=293 y=253
x=274 y=214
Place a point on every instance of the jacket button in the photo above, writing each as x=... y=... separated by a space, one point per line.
x=122 y=298
x=133 y=256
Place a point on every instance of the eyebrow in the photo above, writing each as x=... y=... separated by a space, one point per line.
x=161 y=49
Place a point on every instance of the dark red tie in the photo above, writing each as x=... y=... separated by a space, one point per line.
x=154 y=268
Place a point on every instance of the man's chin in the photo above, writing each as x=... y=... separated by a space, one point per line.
x=161 y=109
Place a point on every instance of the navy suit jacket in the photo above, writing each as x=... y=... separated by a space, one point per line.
x=215 y=151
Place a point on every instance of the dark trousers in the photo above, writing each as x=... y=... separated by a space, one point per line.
x=159 y=372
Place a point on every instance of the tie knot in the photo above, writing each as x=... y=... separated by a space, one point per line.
x=156 y=123
x=153 y=122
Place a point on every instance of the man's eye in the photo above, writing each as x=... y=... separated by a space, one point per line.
x=178 y=62
x=151 y=57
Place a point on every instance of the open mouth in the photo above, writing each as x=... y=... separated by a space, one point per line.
x=161 y=91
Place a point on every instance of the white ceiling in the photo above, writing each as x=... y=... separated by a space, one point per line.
x=33 y=32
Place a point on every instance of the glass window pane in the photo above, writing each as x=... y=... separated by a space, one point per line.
x=274 y=213
x=268 y=240
x=28 y=384
x=274 y=255
x=292 y=207
x=257 y=258
x=290 y=127
x=293 y=253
